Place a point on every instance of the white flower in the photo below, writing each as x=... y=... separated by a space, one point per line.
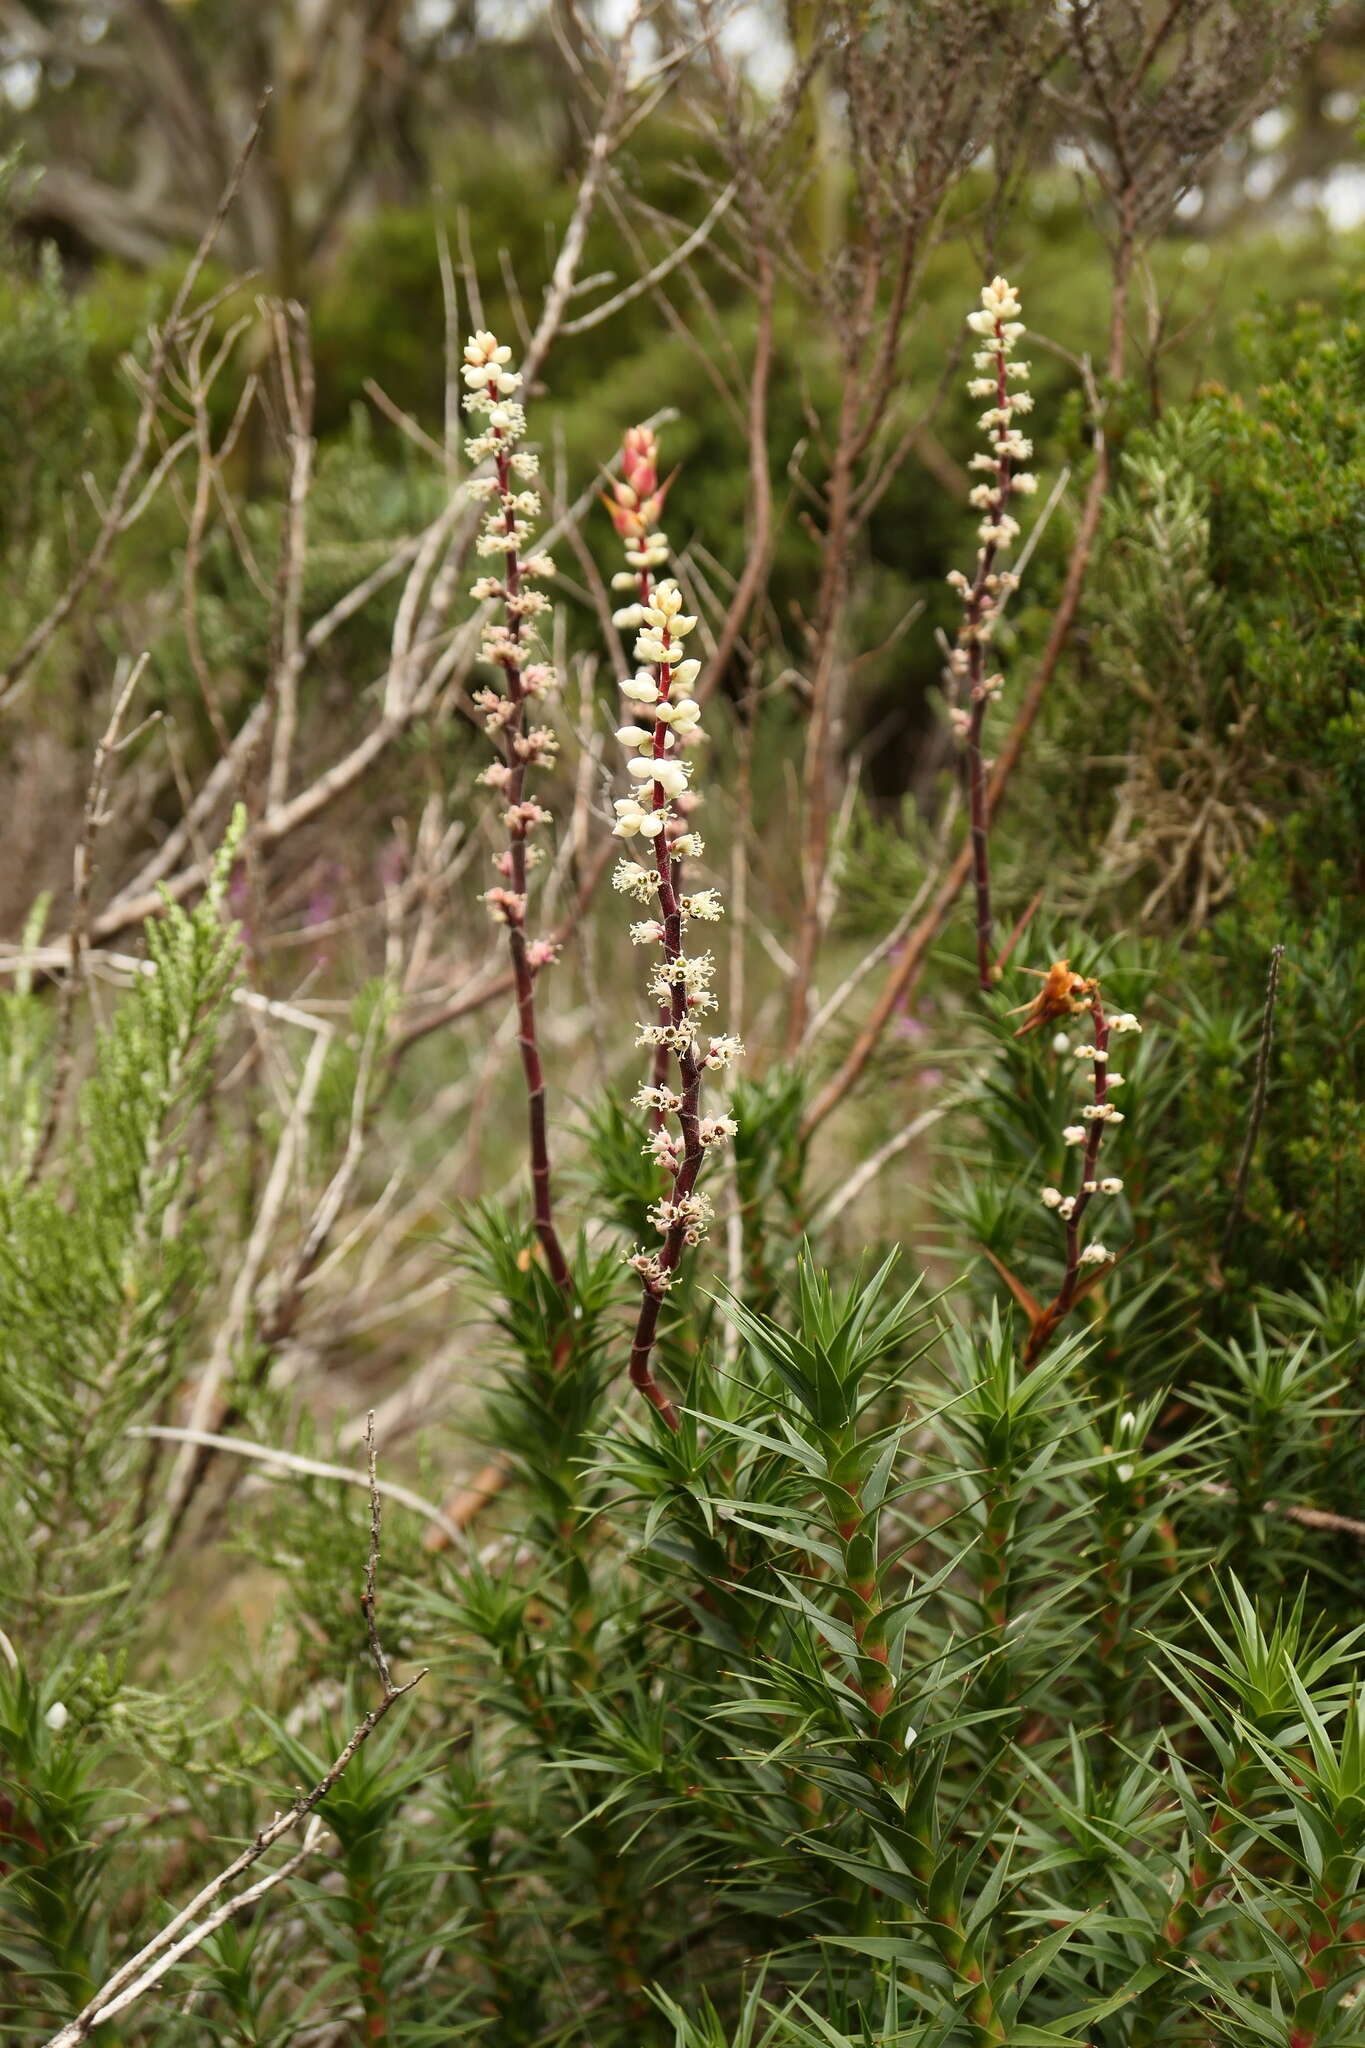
x=981 y=387
x=722 y=1050
x=671 y=776
x=1074 y=1134
x=1115 y=1080
x=634 y=736
x=685 y=674
x=647 y=934
x=704 y=904
x=630 y=879
x=1024 y=483
x=640 y=689
x=1112 y=1186
x=1061 y=1043
x=1126 y=1021
x=981 y=323
x=629 y=615
x=632 y=817
x=1000 y=297
x=56 y=1717
x=1066 y=1208
x=657 y=1098
x=1094 y=1254
x=1051 y=1198
x=684 y=715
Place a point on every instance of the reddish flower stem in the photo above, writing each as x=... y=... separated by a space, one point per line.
x=976 y=607
x=1043 y=1329
x=523 y=973
x=659 y=1075
x=689 y=1069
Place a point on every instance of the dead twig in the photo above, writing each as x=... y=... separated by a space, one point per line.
x=164 y=339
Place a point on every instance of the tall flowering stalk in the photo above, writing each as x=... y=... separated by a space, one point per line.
x=663 y=724
x=511 y=643
x=997 y=324
x=636 y=506
x=1067 y=994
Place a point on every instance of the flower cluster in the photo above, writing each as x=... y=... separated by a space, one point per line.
x=512 y=645
x=508 y=641
x=1095 y=1117
x=996 y=369
x=996 y=373
x=660 y=735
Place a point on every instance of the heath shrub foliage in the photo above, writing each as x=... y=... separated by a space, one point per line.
x=732 y=1419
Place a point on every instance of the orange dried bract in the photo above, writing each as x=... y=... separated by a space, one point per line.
x=1061 y=995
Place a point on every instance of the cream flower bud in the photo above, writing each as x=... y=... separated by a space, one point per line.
x=1094 y=1254
x=641 y=689
x=1051 y=1198
x=1074 y=1134
x=1112 y=1186
x=634 y=736
x=685 y=674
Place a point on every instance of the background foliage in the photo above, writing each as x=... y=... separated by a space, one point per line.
x=903 y=1695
